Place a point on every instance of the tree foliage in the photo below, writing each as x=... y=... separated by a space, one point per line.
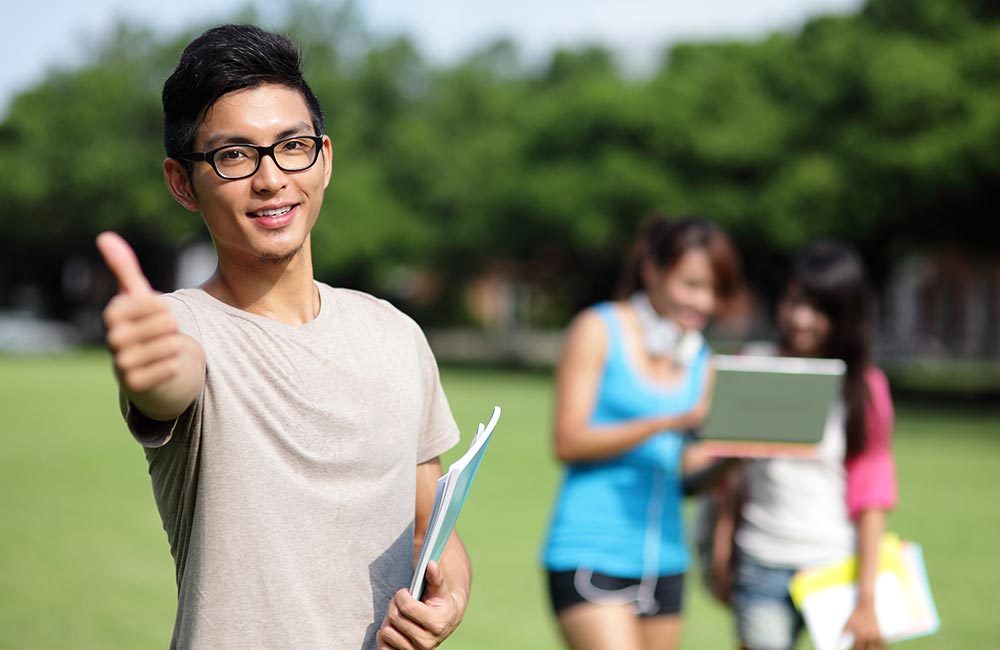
x=882 y=127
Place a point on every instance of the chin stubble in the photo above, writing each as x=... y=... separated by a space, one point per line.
x=266 y=258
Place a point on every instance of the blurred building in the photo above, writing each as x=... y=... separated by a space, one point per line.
x=943 y=305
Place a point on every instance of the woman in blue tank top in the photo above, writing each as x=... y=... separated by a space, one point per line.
x=633 y=377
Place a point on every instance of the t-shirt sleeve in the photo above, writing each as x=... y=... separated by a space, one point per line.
x=438 y=432
x=152 y=433
x=871 y=474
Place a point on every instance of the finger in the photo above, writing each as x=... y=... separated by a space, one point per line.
x=404 y=636
x=391 y=638
x=136 y=356
x=121 y=259
x=142 y=379
x=133 y=332
x=126 y=307
x=420 y=621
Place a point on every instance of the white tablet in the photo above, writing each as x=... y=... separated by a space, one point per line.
x=771 y=406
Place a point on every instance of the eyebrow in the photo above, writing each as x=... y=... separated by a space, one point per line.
x=223 y=139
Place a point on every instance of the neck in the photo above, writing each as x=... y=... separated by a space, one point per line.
x=283 y=290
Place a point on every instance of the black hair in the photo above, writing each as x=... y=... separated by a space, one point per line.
x=222 y=60
x=831 y=276
x=663 y=241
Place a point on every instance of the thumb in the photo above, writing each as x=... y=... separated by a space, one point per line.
x=121 y=259
x=435 y=584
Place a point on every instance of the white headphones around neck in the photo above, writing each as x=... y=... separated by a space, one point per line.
x=662 y=336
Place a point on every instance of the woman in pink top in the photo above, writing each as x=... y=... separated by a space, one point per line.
x=798 y=513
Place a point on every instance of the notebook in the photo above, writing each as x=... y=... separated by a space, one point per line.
x=452 y=490
x=765 y=406
x=904 y=605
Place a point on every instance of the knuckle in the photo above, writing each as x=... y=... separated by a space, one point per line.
x=121 y=361
x=166 y=323
x=134 y=382
x=118 y=337
x=171 y=346
x=112 y=312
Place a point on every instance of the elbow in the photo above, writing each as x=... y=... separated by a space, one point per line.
x=568 y=450
x=563 y=451
x=564 y=448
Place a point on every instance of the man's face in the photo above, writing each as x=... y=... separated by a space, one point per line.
x=267 y=217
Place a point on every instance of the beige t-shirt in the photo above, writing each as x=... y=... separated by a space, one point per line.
x=287 y=489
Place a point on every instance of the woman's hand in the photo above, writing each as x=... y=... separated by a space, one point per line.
x=863 y=625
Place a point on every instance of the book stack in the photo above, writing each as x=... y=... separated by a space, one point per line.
x=904 y=604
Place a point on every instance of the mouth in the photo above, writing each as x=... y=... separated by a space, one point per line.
x=276 y=212
x=692 y=317
x=272 y=218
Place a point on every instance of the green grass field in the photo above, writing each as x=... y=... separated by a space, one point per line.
x=84 y=561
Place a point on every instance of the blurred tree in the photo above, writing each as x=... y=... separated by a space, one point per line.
x=881 y=127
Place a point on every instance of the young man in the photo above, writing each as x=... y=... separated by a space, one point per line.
x=292 y=429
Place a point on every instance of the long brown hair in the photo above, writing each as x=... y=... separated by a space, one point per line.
x=663 y=242
x=832 y=277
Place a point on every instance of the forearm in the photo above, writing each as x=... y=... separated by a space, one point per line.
x=596 y=443
x=870 y=526
x=457 y=569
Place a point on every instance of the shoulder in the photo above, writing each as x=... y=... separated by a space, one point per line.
x=587 y=336
x=877 y=384
x=376 y=318
x=195 y=301
x=879 y=413
x=592 y=324
x=366 y=306
x=186 y=297
x=190 y=307
x=875 y=377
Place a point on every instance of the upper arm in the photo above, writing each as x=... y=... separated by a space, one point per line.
x=879 y=412
x=871 y=474
x=428 y=474
x=579 y=372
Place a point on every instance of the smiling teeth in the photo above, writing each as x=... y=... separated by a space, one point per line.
x=271 y=213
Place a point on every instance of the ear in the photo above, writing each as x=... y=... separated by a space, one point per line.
x=648 y=273
x=327 y=154
x=179 y=183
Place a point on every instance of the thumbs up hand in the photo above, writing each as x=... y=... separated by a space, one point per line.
x=152 y=359
x=121 y=259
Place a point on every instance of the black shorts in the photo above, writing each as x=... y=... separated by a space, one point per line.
x=665 y=600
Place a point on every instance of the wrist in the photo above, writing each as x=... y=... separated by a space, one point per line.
x=461 y=599
x=866 y=600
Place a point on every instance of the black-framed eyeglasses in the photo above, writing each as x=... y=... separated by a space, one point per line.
x=235 y=161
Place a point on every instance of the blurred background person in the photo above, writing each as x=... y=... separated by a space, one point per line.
x=633 y=377
x=796 y=513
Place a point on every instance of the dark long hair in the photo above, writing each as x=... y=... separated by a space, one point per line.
x=663 y=241
x=832 y=277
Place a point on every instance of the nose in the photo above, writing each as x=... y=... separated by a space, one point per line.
x=269 y=177
x=704 y=301
x=803 y=316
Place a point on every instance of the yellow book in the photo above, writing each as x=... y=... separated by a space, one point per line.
x=904 y=604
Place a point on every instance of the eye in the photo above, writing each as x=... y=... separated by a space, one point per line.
x=297 y=145
x=234 y=154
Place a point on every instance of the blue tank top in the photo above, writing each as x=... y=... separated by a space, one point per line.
x=622 y=515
